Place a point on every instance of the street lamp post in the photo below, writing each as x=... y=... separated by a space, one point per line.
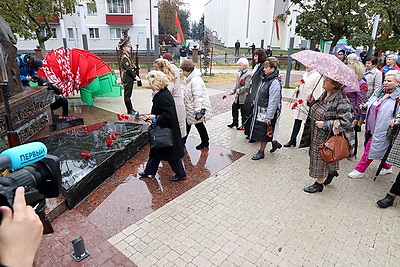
x=291 y=44
x=83 y=27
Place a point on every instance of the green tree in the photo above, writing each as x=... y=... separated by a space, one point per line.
x=388 y=34
x=183 y=16
x=30 y=18
x=333 y=20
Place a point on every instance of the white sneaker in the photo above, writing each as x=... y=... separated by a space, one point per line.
x=356 y=174
x=386 y=171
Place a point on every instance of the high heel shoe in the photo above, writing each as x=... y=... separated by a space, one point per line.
x=330 y=177
x=290 y=143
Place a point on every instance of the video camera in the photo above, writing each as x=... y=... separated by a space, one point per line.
x=42 y=81
x=41 y=180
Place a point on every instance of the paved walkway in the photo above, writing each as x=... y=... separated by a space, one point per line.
x=255 y=213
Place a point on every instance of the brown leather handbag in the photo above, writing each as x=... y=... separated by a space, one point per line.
x=335 y=148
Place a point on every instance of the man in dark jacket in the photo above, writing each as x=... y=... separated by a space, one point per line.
x=237 y=47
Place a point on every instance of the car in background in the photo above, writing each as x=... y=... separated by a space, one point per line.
x=191 y=45
x=168 y=39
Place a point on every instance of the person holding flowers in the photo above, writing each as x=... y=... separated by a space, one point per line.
x=267 y=107
x=311 y=83
x=381 y=108
x=163 y=113
x=174 y=86
x=240 y=91
x=330 y=114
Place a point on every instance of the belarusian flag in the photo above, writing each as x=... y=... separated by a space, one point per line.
x=180 y=37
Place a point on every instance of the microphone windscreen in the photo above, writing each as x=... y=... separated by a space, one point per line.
x=26 y=154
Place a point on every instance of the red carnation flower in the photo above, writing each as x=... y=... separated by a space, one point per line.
x=300 y=101
x=398 y=99
x=302 y=81
x=120 y=117
x=113 y=137
x=241 y=82
x=85 y=154
x=294 y=105
x=109 y=142
x=125 y=117
x=224 y=96
x=117 y=133
x=365 y=87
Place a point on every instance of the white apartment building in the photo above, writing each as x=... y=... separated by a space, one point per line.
x=104 y=23
x=250 y=21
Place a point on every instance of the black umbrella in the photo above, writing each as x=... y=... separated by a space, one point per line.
x=392 y=133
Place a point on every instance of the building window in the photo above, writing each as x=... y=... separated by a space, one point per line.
x=71 y=33
x=94 y=33
x=115 y=33
x=119 y=6
x=92 y=9
x=53 y=33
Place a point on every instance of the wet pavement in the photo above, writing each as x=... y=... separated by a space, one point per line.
x=231 y=211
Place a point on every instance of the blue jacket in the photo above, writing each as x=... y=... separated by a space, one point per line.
x=25 y=70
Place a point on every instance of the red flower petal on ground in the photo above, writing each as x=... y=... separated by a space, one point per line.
x=302 y=81
x=224 y=96
x=294 y=105
x=300 y=101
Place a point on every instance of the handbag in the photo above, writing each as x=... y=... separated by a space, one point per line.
x=335 y=148
x=160 y=137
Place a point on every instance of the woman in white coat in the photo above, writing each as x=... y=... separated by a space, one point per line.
x=197 y=102
x=310 y=80
x=174 y=86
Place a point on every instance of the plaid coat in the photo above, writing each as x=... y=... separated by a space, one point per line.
x=330 y=109
x=394 y=155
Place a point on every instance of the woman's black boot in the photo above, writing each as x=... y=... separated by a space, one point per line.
x=386 y=202
x=316 y=187
x=290 y=143
x=330 y=177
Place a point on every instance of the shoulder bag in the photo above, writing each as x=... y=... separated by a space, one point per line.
x=335 y=148
x=160 y=137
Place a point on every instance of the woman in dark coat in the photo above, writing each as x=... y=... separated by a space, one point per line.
x=256 y=76
x=163 y=113
x=268 y=106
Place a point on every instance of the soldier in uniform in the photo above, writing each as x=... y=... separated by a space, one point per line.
x=128 y=69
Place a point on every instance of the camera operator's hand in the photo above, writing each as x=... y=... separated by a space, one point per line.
x=20 y=233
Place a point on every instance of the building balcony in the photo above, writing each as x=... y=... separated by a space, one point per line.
x=125 y=19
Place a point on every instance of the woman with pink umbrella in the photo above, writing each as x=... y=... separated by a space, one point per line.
x=330 y=114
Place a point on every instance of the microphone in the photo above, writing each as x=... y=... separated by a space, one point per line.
x=23 y=155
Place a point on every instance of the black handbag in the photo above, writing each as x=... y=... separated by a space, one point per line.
x=160 y=137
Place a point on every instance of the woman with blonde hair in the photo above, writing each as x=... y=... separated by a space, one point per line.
x=163 y=113
x=174 y=86
x=357 y=96
x=390 y=63
x=381 y=109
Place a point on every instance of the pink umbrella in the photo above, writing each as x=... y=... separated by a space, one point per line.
x=329 y=66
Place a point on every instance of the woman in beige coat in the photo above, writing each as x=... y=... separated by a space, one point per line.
x=174 y=86
x=197 y=102
x=310 y=80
